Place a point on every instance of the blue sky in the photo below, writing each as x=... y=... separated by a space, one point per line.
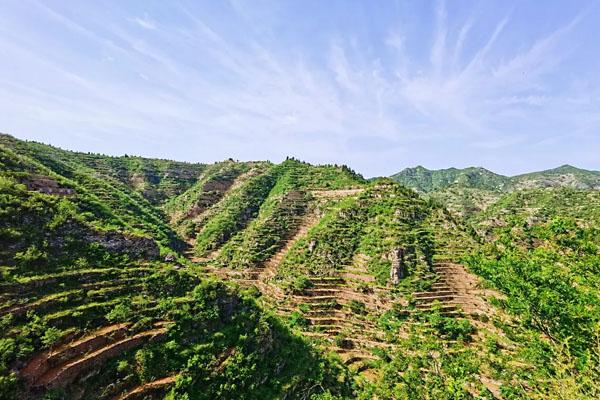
x=378 y=85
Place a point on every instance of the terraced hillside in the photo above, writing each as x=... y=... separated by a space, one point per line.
x=88 y=311
x=97 y=195
x=128 y=278
x=364 y=273
x=470 y=191
x=145 y=327
x=155 y=180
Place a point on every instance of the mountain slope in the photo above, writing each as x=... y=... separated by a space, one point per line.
x=469 y=191
x=563 y=176
x=425 y=180
x=261 y=280
x=97 y=194
x=86 y=310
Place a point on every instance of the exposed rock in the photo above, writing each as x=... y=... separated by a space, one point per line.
x=112 y=241
x=45 y=184
x=118 y=242
x=398 y=269
x=170 y=258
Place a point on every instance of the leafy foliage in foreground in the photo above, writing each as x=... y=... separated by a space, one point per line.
x=550 y=274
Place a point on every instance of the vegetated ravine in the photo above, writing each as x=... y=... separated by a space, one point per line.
x=134 y=278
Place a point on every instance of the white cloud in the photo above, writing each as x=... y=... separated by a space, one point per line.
x=145 y=22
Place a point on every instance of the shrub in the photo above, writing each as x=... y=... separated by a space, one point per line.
x=296 y=319
x=122 y=312
x=51 y=336
x=357 y=307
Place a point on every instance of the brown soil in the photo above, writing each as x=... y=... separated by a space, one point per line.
x=63 y=364
x=141 y=391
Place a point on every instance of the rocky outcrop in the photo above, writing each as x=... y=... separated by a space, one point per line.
x=45 y=184
x=124 y=243
x=112 y=241
x=398 y=270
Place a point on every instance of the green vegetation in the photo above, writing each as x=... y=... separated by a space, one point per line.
x=80 y=240
x=97 y=196
x=328 y=246
x=541 y=205
x=278 y=214
x=342 y=288
x=549 y=273
x=235 y=211
x=425 y=180
x=470 y=191
x=383 y=219
x=211 y=186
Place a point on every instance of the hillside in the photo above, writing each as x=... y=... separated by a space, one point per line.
x=127 y=278
x=469 y=191
x=425 y=180
x=563 y=176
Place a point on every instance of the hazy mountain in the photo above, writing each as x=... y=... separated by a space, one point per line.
x=563 y=176
x=426 y=180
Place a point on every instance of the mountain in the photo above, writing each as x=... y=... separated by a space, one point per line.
x=426 y=181
x=563 y=176
x=469 y=191
x=128 y=277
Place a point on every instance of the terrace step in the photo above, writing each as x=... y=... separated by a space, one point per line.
x=320 y=292
x=352 y=357
x=441 y=307
x=66 y=373
x=440 y=285
x=358 y=277
x=317 y=299
x=439 y=292
x=42 y=362
x=327 y=321
x=327 y=279
x=435 y=297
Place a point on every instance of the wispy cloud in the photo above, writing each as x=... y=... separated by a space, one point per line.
x=144 y=22
x=233 y=80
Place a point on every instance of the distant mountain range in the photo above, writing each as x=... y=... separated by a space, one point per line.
x=426 y=181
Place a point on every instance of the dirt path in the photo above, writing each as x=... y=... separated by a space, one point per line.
x=141 y=390
x=336 y=194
